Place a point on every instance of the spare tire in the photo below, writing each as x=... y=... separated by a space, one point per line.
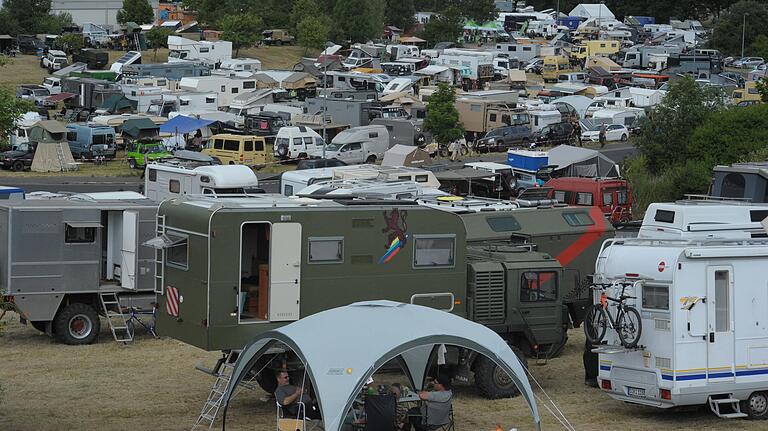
x=282 y=150
x=420 y=140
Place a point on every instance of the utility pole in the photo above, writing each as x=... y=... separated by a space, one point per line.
x=325 y=101
x=743 y=31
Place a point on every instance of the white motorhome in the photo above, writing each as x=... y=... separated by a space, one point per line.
x=295 y=142
x=704 y=337
x=213 y=53
x=163 y=182
x=475 y=65
x=399 y=85
x=704 y=219
x=292 y=182
x=182 y=102
x=227 y=87
x=362 y=144
x=356 y=80
x=20 y=135
x=626 y=117
x=251 y=103
x=396 y=52
x=241 y=65
x=543 y=118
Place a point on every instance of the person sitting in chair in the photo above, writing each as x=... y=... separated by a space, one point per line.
x=435 y=409
x=289 y=397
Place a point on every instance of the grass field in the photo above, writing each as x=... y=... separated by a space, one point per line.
x=153 y=385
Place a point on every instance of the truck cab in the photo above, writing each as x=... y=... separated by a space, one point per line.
x=612 y=195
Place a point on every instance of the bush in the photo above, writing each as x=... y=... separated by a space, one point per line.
x=727 y=137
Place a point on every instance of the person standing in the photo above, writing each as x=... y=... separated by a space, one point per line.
x=577 y=131
x=601 y=136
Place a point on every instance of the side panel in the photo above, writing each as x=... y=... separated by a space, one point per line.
x=128 y=250
x=285 y=272
x=720 y=330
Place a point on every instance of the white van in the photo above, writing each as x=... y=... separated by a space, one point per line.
x=295 y=142
x=363 y=144
x=572 y=78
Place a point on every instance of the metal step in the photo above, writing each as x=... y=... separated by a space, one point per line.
x=732 y=403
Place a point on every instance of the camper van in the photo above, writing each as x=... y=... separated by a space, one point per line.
x=592 y=48
x=292 y=182
x=554 y=66
x=88 y=141
x=237 y=149
x=363 y=144
x=612 y=195
x=703 y=339
x=227 y=87
x=296 y=142
x=163 y=181
x=709 y=218
x=241 y=65
x=212 y=53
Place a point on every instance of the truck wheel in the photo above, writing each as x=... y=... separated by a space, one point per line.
x=282 y=150
x=492 y=381
x=443 y=151
x=279 y=43
x=17 y=166
x=77 y=324
x=132 y=163
x=756 y=406
x=371 y=159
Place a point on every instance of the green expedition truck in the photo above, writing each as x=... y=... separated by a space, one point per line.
x=231 y=269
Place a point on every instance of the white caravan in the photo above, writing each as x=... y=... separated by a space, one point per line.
x=292 y=182
x=212 y=53
x=704 y=219
x=228 y=87
x=704 y=337
x=362 y=144
x=241 y=65
x=182 y=102
x=163 y=181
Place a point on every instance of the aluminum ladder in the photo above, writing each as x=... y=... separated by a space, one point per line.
x=159 y=257
x=113 y=311
x=215 y=397
x=62 y=162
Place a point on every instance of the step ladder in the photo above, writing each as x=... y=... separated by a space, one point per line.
x=113 y=311
x=223 y=373
x=159 y=257
x=65 y=165
x=730 y=403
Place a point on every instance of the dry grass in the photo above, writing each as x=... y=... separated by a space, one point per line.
x=152 y=384
x=112 y=168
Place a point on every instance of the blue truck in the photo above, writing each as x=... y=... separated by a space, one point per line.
x=89 y=141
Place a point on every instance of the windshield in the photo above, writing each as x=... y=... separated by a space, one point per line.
x=40 y=92
x=494 y=132
x=333 y=147
x=177 y=54
x=153 y=148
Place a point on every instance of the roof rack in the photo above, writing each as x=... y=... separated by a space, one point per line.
x=695 y=198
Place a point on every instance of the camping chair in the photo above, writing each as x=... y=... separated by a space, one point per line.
x=296 y=422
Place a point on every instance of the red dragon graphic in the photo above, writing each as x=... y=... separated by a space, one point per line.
x=393 y=221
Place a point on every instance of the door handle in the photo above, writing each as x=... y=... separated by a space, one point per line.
x=711 y=337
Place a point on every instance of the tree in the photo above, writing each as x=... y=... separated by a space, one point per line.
x=477 y=10
x=727 y=33
x=71 y=42
x=11 y=110
x=312 y=32
x=242 y=30
x=762 y=88
x=303 y=9
x=759 y=46
x=400 y=13
x=668 y=129
x=359 y=20
x=138 y=11
x=442 y=117
x=446 y=27
x=158 y=38
x=726 y=137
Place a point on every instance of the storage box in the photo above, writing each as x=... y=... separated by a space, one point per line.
x=526 y=160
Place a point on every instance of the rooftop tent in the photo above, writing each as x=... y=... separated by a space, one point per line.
x=118 y=103
x=48 y=131
x=582 y=162
x=405 y=155
x=140 y=128
x=52 y=152
x=182 y=124
x=341 y=348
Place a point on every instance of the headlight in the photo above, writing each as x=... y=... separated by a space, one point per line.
x=491 y=140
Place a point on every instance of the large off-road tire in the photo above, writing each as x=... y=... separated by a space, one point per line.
x=77 y=324
x=17 y=166
x=371 y=159
x=132 y=163
x=282 y=151
x=756 y=406
x=492 y=381
x=420 y=140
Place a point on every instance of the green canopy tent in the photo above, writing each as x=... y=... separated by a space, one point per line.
x=140 y=128
x=118 y=104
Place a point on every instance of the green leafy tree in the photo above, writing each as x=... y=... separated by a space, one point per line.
x=25 y=15
x=476 y=10
x=759 y=46
x=11 y=110
x=71 y=42
x=728 y=30
x=242 y=30
x=303 y=9
x=400 y=13
x=359 y=20
x=312 y=32
x=446 y=27
x=762 y=88
x=158 y=38
x=667 y=130
x=726 y=137
x=138 y=11
x=442 y=117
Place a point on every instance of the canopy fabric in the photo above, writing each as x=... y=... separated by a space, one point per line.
x=463 y=174
x=411 y=39
x=183 y=124
x=116 y=103
x=405 y=155
x=341 y=348
x=582 y=162
x=61 y=96
x=578 y=103
x=487 y=26
x=137 y=127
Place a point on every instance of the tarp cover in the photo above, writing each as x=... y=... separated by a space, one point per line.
x=341 y=348
x=140 y=127
x=183 y=124
x=582 y=162
x=405 y=155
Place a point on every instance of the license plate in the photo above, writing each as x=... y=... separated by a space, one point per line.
x=636 y=392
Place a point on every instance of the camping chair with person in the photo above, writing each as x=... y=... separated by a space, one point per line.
x=380 y=412
x=293 y=416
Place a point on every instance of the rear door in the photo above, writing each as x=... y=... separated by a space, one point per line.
x=129 y=258
x=720 y=338
x=285 y=272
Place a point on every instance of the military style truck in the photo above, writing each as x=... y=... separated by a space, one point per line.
x=231 y=269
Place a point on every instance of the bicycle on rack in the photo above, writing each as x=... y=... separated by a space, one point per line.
x=627 y=323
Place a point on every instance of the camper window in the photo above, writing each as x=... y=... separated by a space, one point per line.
x=664 y=216
x=584 y=199
x=174 y=186
x=210 y=100
x=373 y=135
x=218 y=144
x=79 y=234
x=578 y=219
x=434 y=251
x=560 y=196
x=249 y=84
x=326 y=250
x=235 y=90
x=231 y=145
x=655 y=297
x=152 y=175
x=492 y=117
x=622 y=197
x=538 y=286
x=503 y=224
x=722 y=302
x=288 y=191
x=607 y=198
x=177 y=256
x=474 y=108
x=259 y=145
x=297 y=141
x=733 y=186
x=248 y=146
x=422 y=178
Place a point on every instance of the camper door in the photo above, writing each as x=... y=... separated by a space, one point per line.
x=129 y=250
x=285 y=272
x=720 y=338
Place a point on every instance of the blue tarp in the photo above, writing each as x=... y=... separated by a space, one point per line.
x=182 y=124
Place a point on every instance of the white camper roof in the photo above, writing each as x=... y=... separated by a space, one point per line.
x=226 y=176
x=704 y=219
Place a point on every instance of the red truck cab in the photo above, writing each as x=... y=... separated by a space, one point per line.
x=612 y=195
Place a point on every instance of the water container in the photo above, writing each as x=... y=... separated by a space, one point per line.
x=526 y=160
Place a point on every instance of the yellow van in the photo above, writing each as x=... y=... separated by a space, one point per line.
x=553 y=66
x=238 y=149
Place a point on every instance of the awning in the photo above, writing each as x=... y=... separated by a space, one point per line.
x=78 y=224
x=183 y=124
x=166 y=240
x=61 y=96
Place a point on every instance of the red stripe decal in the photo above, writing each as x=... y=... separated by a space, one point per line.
x=592 y=234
